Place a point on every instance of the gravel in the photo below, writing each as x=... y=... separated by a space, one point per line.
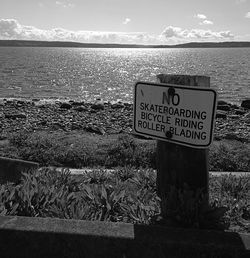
x=102 y=118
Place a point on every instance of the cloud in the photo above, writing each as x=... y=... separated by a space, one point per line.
x=194 y=34
x=203 y=18
x=65 y=4
x=126 y=21
x=247 y=15
x=9 y=28
x=200 y=16
x=12 y=29
x=206 y=22
x=171 y=31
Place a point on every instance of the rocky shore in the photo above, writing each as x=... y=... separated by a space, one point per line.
x=232 y=121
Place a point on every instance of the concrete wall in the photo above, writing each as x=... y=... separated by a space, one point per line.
x=11 y=169
x=44 y=237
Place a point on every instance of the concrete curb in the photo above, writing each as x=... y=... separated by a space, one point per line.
x=11 y=170
x=83 y=171
x=46 y=237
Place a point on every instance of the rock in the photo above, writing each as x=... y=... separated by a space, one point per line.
x=65 y=106
x=117 y=105
x=234 y=106
x=75 y=103
x=21 y=102
x=221 y=114
x=80 y=108
x=245 y=103
x=98 y=106
x=57 y=125
x=234 y=116
x=128 y=104
x=43 y=104
x=35 y=100
x=94 y=129
x=222 y=103
x=231 y=136
x=75 y=126
x=240 y=112
x=15 y=115
x=9 y=101
x=247 y=118
x=223 y=107
x=43 y=122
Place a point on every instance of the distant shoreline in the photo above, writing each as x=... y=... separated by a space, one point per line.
x=34 y=43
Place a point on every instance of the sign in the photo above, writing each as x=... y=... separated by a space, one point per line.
x=179 y=114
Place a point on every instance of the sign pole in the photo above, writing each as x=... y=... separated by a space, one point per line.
x=178 y=165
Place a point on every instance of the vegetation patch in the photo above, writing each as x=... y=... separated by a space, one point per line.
x=126 y=195
x=77 y=150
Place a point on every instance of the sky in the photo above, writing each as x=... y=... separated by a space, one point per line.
x=126 y=21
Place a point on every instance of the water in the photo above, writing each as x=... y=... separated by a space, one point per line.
x=86 y=74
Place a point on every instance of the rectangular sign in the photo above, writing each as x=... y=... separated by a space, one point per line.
x=179 y=114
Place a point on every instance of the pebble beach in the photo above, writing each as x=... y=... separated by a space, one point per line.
x=104 y=118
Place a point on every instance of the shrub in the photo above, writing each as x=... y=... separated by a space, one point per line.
x=52 y=193
x=126 y=151
x=127 y=195
x=234 y=193
x=83 y=150
x=121 y=152
x=233 y=158
x=222 y=159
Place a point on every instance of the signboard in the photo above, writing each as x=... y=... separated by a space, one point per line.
x=179 y=114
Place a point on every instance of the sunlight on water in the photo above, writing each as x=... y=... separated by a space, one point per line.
x=76 y=73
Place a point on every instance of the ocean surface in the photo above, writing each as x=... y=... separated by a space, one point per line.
x=87 y=73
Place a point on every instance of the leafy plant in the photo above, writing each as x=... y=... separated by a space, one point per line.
x=97 y=176
x=127 y=195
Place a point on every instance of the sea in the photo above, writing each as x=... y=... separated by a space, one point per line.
x=110 y=73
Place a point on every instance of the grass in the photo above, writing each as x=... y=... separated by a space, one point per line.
x=126 y=195
x=78 y=150
x=229 y=157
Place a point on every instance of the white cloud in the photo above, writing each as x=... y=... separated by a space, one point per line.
x=206 y=22
x=194 y=34
x=203 y=18
x=12 y=29
x=126 y=21
x=171 y=31
x=65 y=4
x=247 y=15
x=200 y=16
x=9 y=28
